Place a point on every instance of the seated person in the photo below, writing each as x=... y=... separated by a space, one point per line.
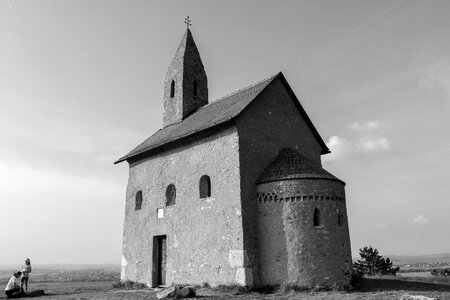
x=13 y=289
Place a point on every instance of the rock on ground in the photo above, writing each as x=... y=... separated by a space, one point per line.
x=166 y=293
x=415 y=297
x=187 y=292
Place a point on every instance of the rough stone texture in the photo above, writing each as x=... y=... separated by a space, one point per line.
x=200 y=232
x=270 y=123
x=293 y=250
x=185 y=68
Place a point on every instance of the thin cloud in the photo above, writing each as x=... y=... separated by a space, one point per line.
x=341 y=147
x=376 y=17
x=373 y=144
x=370 y=125
x=50 y=184
x=419 y=220
x=366 y=141
x=380 y=226
x=8 y=2
x=437 y=76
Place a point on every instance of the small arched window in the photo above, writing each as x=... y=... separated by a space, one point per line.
x=204 y=186
x=195 y=88
x=172 y=89
x=340 y=219
x=316 y=217
x=138 y=202
x=171 y=194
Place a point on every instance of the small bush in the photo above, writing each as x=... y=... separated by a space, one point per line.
x=234 y=289
x=289 y=287
x=264 y=289
x=441 y=272
x=118 y=285
x=128 y=285
x=356 y=278
x=341 y=286
x=205 y=285
x=371 y=263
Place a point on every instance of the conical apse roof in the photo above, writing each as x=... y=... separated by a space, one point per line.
x=289 y=164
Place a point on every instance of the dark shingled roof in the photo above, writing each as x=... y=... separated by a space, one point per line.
x=290 y=164
x=210 y=115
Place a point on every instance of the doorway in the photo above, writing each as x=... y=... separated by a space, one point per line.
x=159 y=260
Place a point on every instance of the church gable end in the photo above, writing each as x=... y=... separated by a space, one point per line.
x=271 y=122
x=277 y=110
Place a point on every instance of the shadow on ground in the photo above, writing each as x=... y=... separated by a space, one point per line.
x=32 y=294
x=388 y=284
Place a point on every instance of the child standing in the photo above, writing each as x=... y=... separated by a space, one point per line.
x=26 y=270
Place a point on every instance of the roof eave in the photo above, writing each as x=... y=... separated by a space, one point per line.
x=180 y=139
x=300 y=178
x=120 y=160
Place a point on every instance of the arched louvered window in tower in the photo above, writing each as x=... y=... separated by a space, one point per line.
x=340 y=219
x=138 y=201
x=317 y=217
x=205 y=186
x=195 y=88
x=172 y=89
x=171 y=194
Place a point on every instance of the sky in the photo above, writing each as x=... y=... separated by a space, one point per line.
x=81 y=84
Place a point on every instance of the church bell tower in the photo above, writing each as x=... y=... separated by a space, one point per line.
x=186 y=84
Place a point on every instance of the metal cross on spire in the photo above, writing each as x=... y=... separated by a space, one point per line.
x=187 y=21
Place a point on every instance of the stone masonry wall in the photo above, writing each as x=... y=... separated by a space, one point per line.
x=293 y=250
x=204 y=236
x=270 y=123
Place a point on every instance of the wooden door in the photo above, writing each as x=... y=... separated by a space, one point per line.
x=159 y=260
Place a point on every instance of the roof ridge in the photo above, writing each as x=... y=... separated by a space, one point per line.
x=228 y=96
x=242 y=89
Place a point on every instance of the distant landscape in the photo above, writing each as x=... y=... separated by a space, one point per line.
x=65 y=273
x=421 y=261
x=76 y=281
x=111 y=272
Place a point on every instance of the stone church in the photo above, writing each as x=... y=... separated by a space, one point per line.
x=232 y=191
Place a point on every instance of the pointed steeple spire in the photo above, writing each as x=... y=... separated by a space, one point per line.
x=186 y=84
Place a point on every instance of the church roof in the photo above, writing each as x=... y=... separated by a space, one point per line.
x=213 y=114
x=289 y=164
x=210 y=115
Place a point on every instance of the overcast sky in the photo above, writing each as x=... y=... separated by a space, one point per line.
x=81 y=84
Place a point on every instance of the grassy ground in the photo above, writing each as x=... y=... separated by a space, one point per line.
x=371 y=288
